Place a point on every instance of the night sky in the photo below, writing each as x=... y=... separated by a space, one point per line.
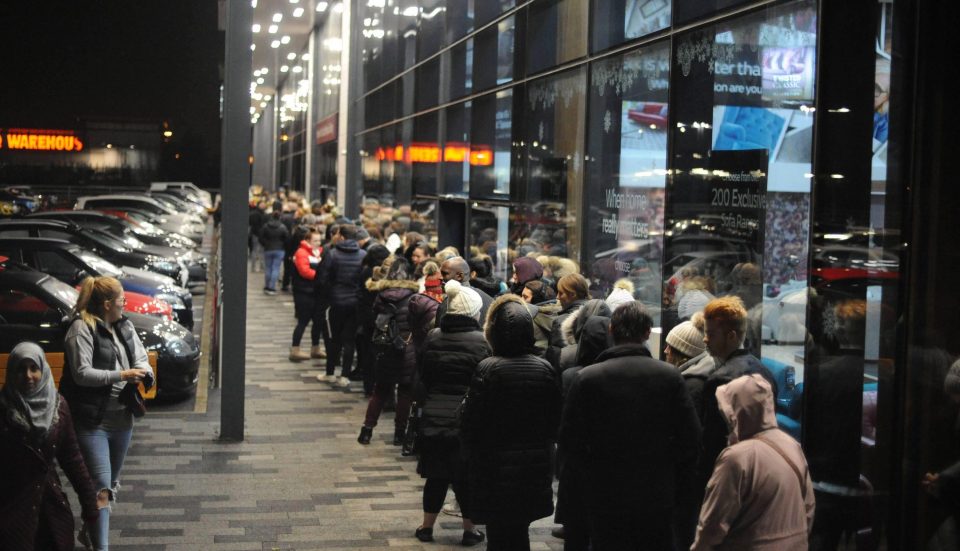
x=137 y=59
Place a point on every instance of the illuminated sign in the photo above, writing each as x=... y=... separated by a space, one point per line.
x=32 y=139
x=432 y=153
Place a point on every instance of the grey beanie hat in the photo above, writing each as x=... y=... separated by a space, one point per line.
x=687 y=338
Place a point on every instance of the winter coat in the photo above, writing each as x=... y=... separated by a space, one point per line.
x=273 y=235
x=306 y=260
x=509 y=420
x=557 y=341
x=423 y=312
x=631 y=431
x=543 y=316
x=714 y=427
x=339 y=275
x=572 y=327
x=755 y=500
x=256 y=220
x=396 y=368
x=32 y=502
x=449 y=359
x=594 y=339
x=695 y=372
x=489 y=285
x=375 y=256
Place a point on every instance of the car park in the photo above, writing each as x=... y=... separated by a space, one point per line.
x=113 y=250
x=119 y=227
x=189 y=187
x=71 y=264
x=37 y=307
x=170 y=220
x=179 y=204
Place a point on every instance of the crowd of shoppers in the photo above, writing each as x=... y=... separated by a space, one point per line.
x=502 y=387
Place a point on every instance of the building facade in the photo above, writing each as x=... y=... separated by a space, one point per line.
x=695 y=148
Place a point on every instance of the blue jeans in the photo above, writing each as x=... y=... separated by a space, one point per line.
x=103 y=452
x=272 y=261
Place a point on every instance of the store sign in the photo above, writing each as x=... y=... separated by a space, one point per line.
x=326 y=129
x=31 y=139
x=433 y=153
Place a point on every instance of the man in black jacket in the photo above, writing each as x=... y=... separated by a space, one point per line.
x=338 y=278
x=629 y=438
x=273 y=237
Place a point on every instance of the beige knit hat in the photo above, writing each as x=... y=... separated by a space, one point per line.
x=687 y=338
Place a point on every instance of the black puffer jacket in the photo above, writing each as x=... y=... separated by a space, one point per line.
x=557 y=341
x=509 y=422
x=273 y=235
x=376 y=254
x=396 y=292
x=448 y=361
x=339 y=274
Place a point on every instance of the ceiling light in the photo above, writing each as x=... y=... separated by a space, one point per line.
x=267 y=97
x=260 y=80
x=275 y=44
x=263 y=104
x=284 y=68
x=285 y=39
x=256 y=73
x=264 y=71
x=338 y=7
x=253 y=3
x=109 y=146
x=321 y=6
x=305 y=57
x=291 y=56
x=253 y=47
x=277 y=17
x=298 y=12
x=256 y=27
x=272 y=29
x=298 y=69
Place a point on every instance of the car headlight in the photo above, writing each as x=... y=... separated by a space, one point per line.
x=171 y=299
x=178 y=347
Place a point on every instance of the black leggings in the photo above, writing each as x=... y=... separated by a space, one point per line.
x=316 y=330
x=435 y=491
x=508 y=537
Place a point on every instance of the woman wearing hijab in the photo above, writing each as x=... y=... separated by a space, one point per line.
x=36 y=429
x=103 y=356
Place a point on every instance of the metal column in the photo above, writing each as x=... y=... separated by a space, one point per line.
x=235 y=184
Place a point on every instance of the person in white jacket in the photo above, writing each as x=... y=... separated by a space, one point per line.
x=760 y=496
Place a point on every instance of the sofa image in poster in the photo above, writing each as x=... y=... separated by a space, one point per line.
x=643 y=143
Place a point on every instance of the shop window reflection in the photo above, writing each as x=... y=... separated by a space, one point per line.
x=455 y=177
x=617 y=21
x=559 y=29
x=491 y=135
x=489 y=234
x=626 y=172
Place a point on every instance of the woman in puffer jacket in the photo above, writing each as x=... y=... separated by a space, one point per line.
x=393 y=369
x=306 y=260
x=572 y=328
x=509 y=422
x=448 y=361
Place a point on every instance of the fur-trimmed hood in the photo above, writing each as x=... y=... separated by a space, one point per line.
x=572 y=326
x=509 y=326
x=375 y=286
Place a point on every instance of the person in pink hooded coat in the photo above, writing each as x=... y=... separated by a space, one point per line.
x=760 y=496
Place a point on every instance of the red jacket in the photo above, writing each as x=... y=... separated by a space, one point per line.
x=306 y=260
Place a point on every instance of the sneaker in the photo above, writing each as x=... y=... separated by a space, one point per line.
x=342 y=383
x=472 y=537
x=323 y=378
x=270 y=292
x=424 y=534
x=452 y=509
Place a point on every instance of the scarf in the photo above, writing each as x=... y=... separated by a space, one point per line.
x=36 y=411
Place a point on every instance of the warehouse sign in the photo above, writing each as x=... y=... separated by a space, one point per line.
x=32 y=139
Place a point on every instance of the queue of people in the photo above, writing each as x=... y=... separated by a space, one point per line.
x=503 y=387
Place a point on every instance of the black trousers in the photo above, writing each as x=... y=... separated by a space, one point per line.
x=650 y=530
x=435 y=491
x=365 y=361
x=288 y=269
x=508 y=537
x=342 y=321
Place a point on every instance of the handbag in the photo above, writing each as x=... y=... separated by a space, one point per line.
x=131 y=398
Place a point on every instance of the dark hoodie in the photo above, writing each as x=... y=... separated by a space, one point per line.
x=572 y=328
x=526 y=269
x=339 y=274
x=273 y=235
x=508 y=422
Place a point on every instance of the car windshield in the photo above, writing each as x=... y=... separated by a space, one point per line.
x=107 y=240
x=100 y=265
x=65 y=293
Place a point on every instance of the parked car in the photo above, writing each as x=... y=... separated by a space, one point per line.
x=37 y=307
x=179 y=204
x=187 y=224
x=195 y=262
x=119 y=227
x=114 y=251
x=71 y=264
x=205 y=198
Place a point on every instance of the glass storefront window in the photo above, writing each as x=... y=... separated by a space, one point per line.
x=559 y=30
x=455 y=179
x=552 y=149
x=427 y=78
x=495 y=43
x=685 y=11
x=489 y=235
x=425 y=154
x=628 y=125
x=430 y=34
x=491 y=139
x=617 y=21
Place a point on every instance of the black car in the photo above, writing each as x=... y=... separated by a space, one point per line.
x=105 y=246
x=37 y=307
x=71 y=264
x=117 y=227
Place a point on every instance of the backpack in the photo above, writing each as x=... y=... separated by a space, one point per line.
x=387 y=338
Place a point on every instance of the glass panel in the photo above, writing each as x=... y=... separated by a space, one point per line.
x=459 y=14
x=552 y=147
x=489 y=234
x=626 y=172
x=425 y=154
x=488 y=10
x=497 y=42
x=427 y=84
x=558 y=28
x=373 y=50
x=490 y=147
x=430 y=35
x=616 y=21
x=459 y=59
x=685 y=11
x=456 y=150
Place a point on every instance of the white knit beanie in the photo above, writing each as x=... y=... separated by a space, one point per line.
x=462 y=301
x=686 y=339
